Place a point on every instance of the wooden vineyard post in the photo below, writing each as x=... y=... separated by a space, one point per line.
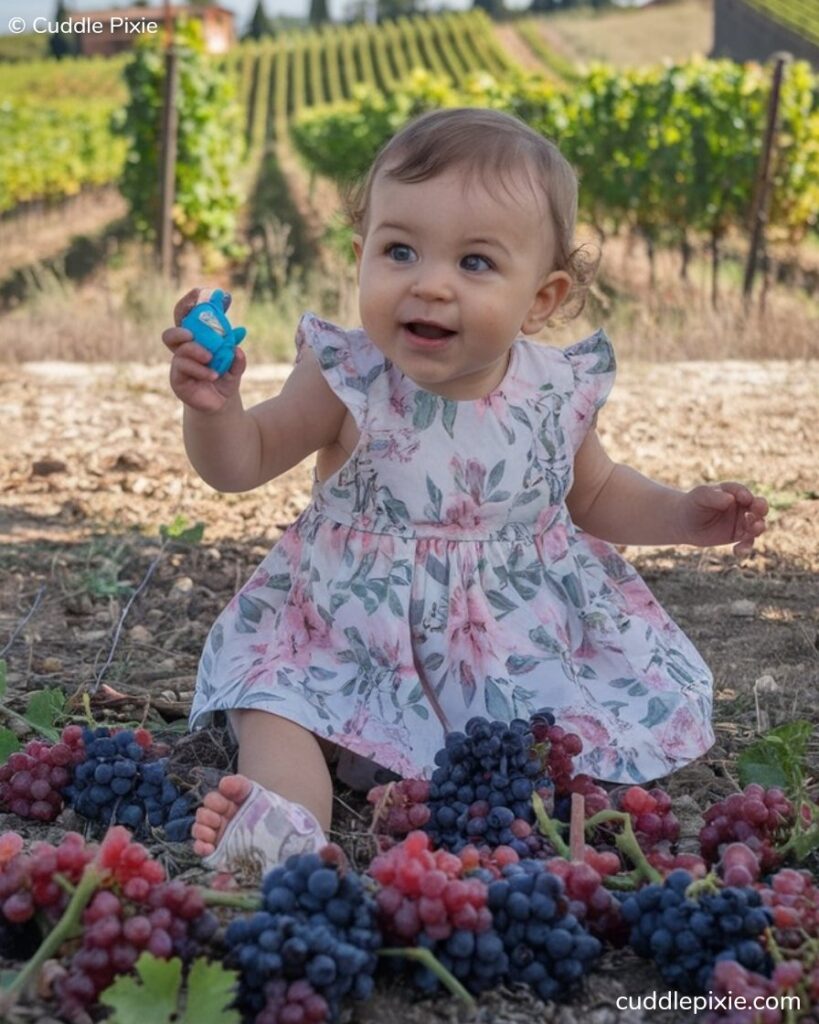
x=762 y=192
x=167 y=165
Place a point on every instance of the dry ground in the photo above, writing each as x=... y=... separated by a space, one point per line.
x=93 y=464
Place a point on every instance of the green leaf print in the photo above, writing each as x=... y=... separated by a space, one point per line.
x=217 y=638
x=397 y=511
x=497 y=706
x=359 y=648
x=496 y=475
x=437 y=570
x=520 y=415
x=425 y=406
x=435 y=496
x=321 y=673
x=395 y=604
x=281 y=581
x=250 y=608
x=448 y=416
x=330 y=357
x=525 y=497
x=433 y=662
x=503 y=604
x=541 y=637
x=415 y=693
x=420 y=710
x=364 y=566
x=658 y=711
x=572 y=588
x=518 y=664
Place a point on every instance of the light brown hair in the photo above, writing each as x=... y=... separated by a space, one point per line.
x=494 y=146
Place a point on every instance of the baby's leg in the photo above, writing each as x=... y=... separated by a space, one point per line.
x=283 y=759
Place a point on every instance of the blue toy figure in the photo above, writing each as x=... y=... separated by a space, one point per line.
x=210 y=327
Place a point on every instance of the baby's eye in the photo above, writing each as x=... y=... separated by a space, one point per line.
x=393 y=246
x=474 y=256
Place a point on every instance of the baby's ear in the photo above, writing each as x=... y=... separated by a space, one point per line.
x=549 y=297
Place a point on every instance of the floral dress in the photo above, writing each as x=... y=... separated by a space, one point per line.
x=437 y=576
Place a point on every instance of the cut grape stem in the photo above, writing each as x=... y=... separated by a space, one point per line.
x=429 y=960
x=577 y=838
x=707 y=885
x=64 y=929
x=626 y=842
x=237 y=900
x=549 y=827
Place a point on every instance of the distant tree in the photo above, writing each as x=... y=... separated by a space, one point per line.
x=319 y=15
x=260 y=25
x=63 y=44
x=494 y=8
x=397 y=8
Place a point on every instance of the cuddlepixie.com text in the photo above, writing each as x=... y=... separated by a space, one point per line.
x=85 y=26
x=672 y=1000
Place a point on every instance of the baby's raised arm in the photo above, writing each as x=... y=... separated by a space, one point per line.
x=238 y=449
x=616 y=503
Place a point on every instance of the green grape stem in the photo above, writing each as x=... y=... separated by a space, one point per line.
x=429 y=960
x=626 y=842
x=65 y=928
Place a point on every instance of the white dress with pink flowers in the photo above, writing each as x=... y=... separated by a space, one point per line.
x=437 y=576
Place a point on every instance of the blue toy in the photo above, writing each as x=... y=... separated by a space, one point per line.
x=210 y=327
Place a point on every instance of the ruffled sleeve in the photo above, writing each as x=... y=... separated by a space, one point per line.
x=593 y=369
x=349 y=361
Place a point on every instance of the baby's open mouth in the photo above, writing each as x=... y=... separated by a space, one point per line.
x=428 y=330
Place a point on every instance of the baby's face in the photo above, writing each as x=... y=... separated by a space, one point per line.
x=475 y=264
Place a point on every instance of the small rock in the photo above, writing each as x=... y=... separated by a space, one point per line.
x=19 y=728
x=742 y=609
x=214 y=554
x=45 y=467
x=182 y=587
x=51 y=665
x=169 y=696
x=154 y=614
x=766 y=684
x=140 y=635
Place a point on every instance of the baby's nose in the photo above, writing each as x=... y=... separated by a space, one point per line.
x=432 y=283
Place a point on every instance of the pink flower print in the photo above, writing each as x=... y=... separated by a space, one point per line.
x=300 y=629
x=473 y=635
x=397 y=446
x=684 y=735
x=387 y=750
x=553 y=544
x=589 y=728
x=461 y=515
x=639 y=601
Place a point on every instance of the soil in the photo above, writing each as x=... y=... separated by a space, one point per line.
x=93 y=465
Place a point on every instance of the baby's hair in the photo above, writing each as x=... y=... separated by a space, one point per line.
x=494 y=145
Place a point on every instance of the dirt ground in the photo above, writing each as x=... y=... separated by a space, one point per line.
x=92 y=465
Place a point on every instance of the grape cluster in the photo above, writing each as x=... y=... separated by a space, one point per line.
x=686 y=936
x=32 y=780
x=28 y=887
x=544 y=945
x=118 y=782
x=556 y=748
x=425 y=891
x=318 y=925
x=793 y=899
x=481 y=790
x=651 y=816
x=595 y=798
x=788 y=977
x=760 y=818
x=399 y=807
x=591 y=903
x=294 y=1002
x=139 y=912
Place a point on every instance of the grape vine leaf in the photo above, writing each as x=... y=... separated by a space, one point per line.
x=9 y=744
x=182 y=532
x=777 y=758
x=43 y=710
x=209 y=990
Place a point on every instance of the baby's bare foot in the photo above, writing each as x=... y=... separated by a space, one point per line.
x=217 y=809
x=242 y=824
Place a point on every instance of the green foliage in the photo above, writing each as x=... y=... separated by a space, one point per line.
x=181 y=532
x=209 y=145
x=45 y=708
x=779 y=758
x=209 y=992
x=662 y=150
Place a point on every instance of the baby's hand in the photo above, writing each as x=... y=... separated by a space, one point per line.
x=192 y=380
x=726 y=513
